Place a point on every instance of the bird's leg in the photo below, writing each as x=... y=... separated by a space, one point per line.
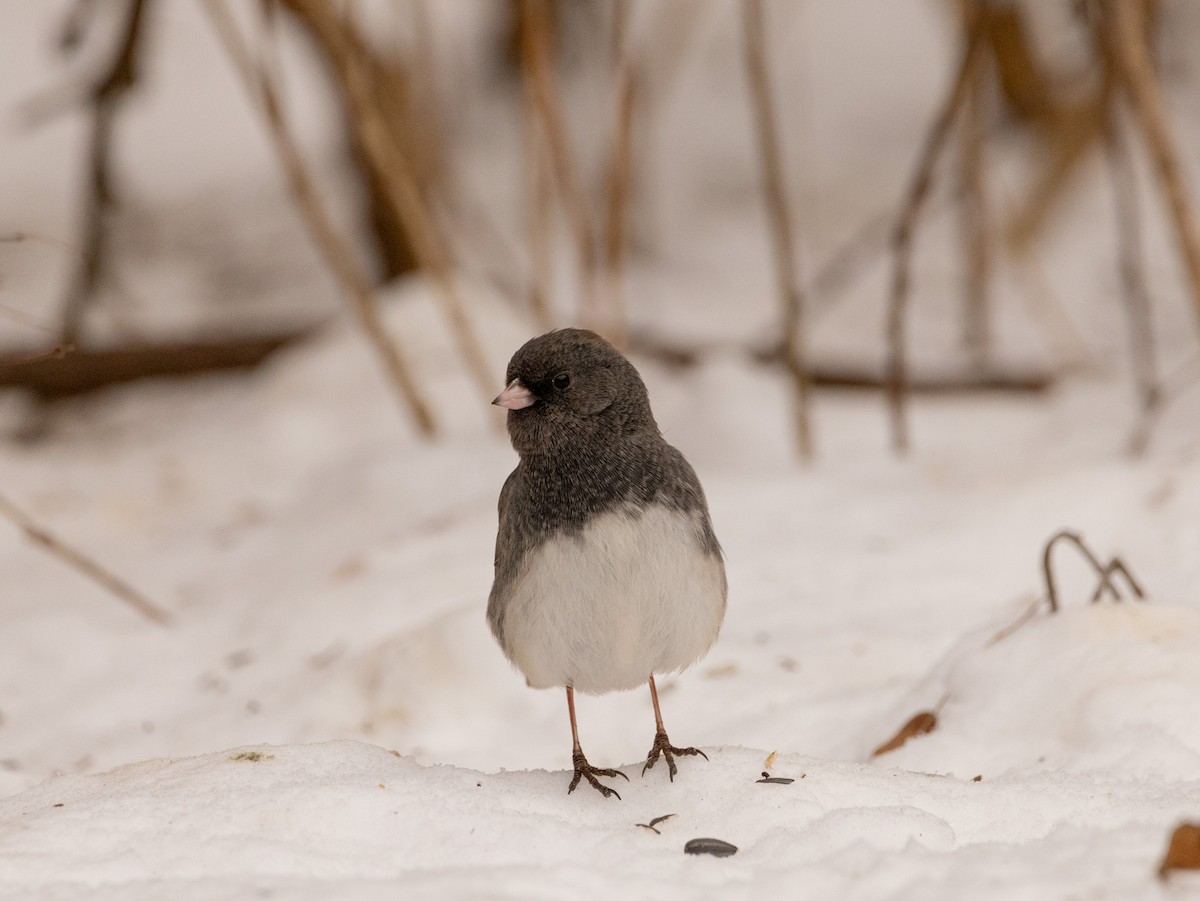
x=583 y=769
x=662 y=744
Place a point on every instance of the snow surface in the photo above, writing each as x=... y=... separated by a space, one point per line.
x=344 y=819
x=327 y=715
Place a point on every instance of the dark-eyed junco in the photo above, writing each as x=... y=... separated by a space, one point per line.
x=607 y=568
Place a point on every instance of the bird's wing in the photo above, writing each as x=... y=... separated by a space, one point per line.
x=502 y=509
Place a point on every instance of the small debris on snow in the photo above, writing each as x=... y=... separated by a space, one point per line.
x=774 y=780
x=714 y=846
x=252 y=756
x=1184 y=851
x=921 y=724
x=653 y=824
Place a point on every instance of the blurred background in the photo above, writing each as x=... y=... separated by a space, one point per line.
x=262 y=265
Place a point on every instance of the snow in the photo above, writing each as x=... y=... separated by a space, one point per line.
x=343 y=819
x=327 y=715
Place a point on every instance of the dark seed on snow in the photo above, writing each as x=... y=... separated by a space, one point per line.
x=713 y=846
x=774 y=780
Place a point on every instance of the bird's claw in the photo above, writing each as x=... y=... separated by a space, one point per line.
x=584 y=770
x=662 y=745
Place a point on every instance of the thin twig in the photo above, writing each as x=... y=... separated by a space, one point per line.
x=538 y=70
x=1126 y=20
x=849 y=260
x=794 y=340
x=339 y=256
x=1175 y=384
x=400 y=182
x=84 y=564
x=1035 y=290
x=1025 y=616
x=1135 y=293
x=977 y=301
x=620 y=177
x=902 y=237
x=106 y=98
x=539 y=195
x=394 y=88
x=57 y=352
x=391 y=156
x=1115 y=567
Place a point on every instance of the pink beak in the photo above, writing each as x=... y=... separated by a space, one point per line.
x=515 y=397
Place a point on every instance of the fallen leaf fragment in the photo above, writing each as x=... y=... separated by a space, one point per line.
x=922 y=723
x=1184 y=851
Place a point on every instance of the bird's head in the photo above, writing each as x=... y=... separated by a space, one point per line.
x=568 y=387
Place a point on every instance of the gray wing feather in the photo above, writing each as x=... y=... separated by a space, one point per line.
x=508 y=553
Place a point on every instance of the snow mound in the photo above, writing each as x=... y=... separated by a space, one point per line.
x=350 y=820
x=1102 y=687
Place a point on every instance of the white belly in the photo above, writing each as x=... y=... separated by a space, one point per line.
x=633 y=595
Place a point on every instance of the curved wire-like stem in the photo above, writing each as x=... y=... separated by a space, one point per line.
x=1104 y=571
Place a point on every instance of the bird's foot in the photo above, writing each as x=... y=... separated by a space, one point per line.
x=584 y=770
x=663 y=746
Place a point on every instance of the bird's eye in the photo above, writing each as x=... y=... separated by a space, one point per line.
x=562 y=380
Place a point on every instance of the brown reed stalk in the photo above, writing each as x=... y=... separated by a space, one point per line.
x=339 y=256
x=1126 y=23
x=902 y=236
x=105 y=98
x=539 y=198
x=620 y=177
x=401 y=188
x=1135 y=293
x=794 y=340
x=538 y=70
x=977 y=302
x=84 y=564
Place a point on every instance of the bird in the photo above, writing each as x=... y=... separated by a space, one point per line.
x=607 y=569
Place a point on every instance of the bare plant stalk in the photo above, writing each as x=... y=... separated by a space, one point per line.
x=84 y=564
x=795 y=354
x=1039 y=297
x=620 y=179
x=400 y=183
x=1134 y=293
x=977 y=306
x=106 y=98
x=355 y=285
x=902 y=236
x=538 y=70
x=57 y=352
x=395 y=88
x=539 y=197
x=619 y=32
x=1126 y=20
